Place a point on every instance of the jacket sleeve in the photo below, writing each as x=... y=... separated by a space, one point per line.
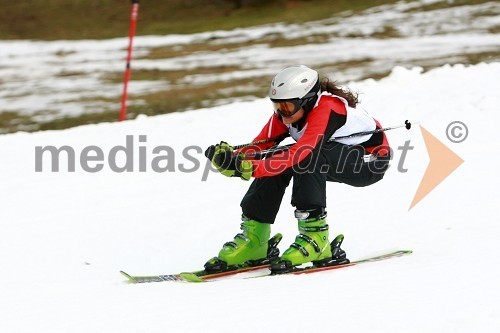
x=321 y=123
x=274 y=128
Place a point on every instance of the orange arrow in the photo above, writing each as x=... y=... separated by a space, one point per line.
x=442 y=162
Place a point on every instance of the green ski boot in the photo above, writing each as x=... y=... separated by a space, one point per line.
x=311 y=245
x=252 y=247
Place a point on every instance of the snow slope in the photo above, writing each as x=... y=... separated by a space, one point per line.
x=64 y=236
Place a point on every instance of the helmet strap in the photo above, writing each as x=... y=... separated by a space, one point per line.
x=311 y=101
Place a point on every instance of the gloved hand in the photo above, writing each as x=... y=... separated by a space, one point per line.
x=227 y=163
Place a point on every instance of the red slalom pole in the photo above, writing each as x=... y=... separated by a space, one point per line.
x=133 y=23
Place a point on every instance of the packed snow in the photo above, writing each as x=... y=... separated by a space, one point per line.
x=66 y=235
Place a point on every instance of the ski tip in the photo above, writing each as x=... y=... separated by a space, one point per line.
x=401 y=253
x=130 y=279
x=125 y=274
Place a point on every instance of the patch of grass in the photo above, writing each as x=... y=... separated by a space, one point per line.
x=465 y=59
x=313 y=39
x=388 y=31
x=12 y=121
x=273 y=40
x=446 y=4
x=66 y=73
x=376 y=76
x=180 y=98
x=84 y=119
x=97 y=19
x=475 y=58
x=172 y=76
x=184 y=96
x=344 y=65
x=484 y=13
x=64 y=53
x=14 y=94
x=172 y=100
x=495 y=29
x=187 y=49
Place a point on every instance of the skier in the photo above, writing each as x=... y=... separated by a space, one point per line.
x=311 y=111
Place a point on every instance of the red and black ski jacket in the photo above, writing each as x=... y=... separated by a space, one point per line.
x=331 y=117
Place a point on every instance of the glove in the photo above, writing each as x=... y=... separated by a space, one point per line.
x=227 y=163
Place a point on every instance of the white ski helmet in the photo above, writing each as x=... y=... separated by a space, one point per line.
x=297 y=83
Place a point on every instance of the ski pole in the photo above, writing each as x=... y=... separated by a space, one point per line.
x=133 y=22
x=407 y=125
x=280 y=149
x=278 y=138
x=210 y=151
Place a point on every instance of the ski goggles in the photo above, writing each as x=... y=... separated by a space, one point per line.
x=289 y=107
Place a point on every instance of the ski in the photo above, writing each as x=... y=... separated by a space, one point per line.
x=202 y=276
x=310 y=269
x=313 y=269
x=216 y=269
x=197 y=276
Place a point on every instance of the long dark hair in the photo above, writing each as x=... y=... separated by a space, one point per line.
x=333 y=88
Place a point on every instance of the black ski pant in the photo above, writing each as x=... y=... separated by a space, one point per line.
x=335 y=162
